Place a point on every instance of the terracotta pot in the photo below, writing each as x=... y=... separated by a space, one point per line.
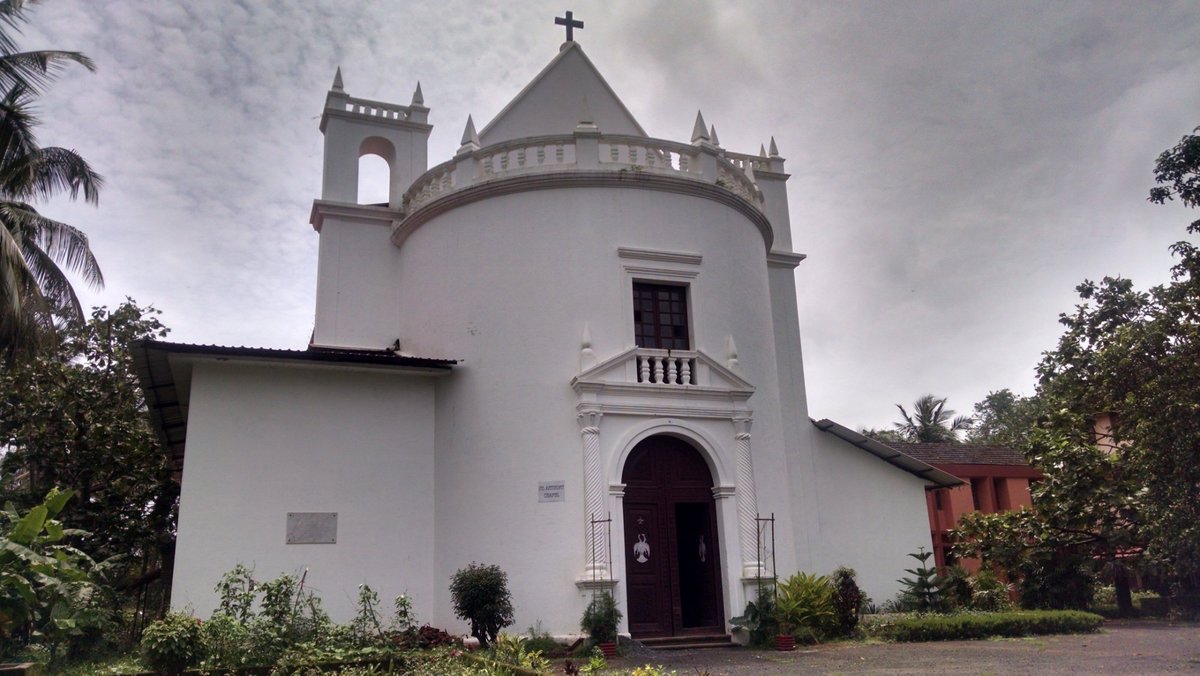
x=785 y=642
x=609 y=649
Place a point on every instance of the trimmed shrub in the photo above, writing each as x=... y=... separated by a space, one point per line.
x=482 y=598
x=847 y=599
x=964 y=626
x=173 y=643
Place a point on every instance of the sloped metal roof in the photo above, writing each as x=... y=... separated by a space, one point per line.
x=889 y=455
x=166 y=381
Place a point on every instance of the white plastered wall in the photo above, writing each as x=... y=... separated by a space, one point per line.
x=506 y=285
x=264 y=440
x=872 y=514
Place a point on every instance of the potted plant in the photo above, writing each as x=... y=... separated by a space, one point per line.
x=759 y=619
x=600 y=622
x=804 y=606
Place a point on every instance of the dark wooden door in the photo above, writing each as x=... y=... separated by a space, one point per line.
x=672 y=559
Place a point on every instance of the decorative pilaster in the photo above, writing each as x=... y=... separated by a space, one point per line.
x=747 y=504
x=593 y=490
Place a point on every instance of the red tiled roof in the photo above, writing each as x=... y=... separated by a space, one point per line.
x=960 y=454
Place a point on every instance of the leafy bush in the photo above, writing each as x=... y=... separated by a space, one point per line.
x=847 y=599
x=1057 y=580
x=511 y=650
x=759 y=618
x=989 y=592
x=47 y=590
x=805 y=607
x=955 y=586
x=481 y=597
x=963 y=626
x=600 y=618
x=173 y=643
x=225 y=641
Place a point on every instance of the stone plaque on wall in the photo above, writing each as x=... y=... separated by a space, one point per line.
x=552 y=491
x=311 y=528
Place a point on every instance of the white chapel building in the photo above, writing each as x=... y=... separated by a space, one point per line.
x=571 y=349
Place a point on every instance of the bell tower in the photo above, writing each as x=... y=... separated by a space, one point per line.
x=356 y=261
x=354 y=127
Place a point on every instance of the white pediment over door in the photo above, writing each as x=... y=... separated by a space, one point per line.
x=642 y=381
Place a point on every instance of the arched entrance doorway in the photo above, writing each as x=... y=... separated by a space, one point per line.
x=671 y=551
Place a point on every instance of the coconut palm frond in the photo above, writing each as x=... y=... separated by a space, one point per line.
x=64 y=244
x=45 y=172
x=53 y=284
x=36 y=70
x=930 y=421
x=17 y=121
x=13 y=273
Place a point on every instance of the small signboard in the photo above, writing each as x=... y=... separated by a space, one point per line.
x=311 y=528
x=552 y=491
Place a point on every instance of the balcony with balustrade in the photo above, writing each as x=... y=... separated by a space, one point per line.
x=587 y=157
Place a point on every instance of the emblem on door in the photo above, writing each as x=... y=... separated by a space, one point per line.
x=641 y=549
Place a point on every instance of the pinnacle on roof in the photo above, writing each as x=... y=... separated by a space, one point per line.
x=762 y=151
x=774 y=148
x=470 y=138
x=418 y=98
x=700 y=130
x=337 y=81
x=712 y=135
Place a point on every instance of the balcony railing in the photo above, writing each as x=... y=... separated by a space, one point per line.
x=666 y=367
x=628 y=155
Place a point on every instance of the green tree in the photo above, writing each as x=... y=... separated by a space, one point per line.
x=1134 y=357
x=885 y=436
x=36 y=252
x=930 y=421
x=1003 y=419
x=73 y=415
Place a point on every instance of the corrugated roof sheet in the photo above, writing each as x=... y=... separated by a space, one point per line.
x=890 y=455
x=168 y=414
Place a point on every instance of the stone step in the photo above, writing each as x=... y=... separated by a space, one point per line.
x=689 y=642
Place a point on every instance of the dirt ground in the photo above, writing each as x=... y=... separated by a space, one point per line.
x=1122 y=647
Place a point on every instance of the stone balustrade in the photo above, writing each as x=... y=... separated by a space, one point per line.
x=369 y=108
x=666 y=367
x=743 y=161
x=619 y=154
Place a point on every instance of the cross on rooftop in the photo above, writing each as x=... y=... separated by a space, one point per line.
x=570 y=23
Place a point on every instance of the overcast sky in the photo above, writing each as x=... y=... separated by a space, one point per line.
x=957 y=168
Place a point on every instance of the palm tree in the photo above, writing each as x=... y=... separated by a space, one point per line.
x=931 y=421
x=36 y=252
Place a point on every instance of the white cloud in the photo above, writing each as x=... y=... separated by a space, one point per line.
x=957 y=167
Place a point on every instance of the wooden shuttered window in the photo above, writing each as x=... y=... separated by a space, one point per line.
x=660 y=316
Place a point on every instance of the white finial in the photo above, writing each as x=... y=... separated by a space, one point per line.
x=337 y=81
x=700 y=131
x=470 y=137
x=731 y=358
x=762 y=152
x=774 y=148
x=418 y=98
x=587 y=358
x=712 y=135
